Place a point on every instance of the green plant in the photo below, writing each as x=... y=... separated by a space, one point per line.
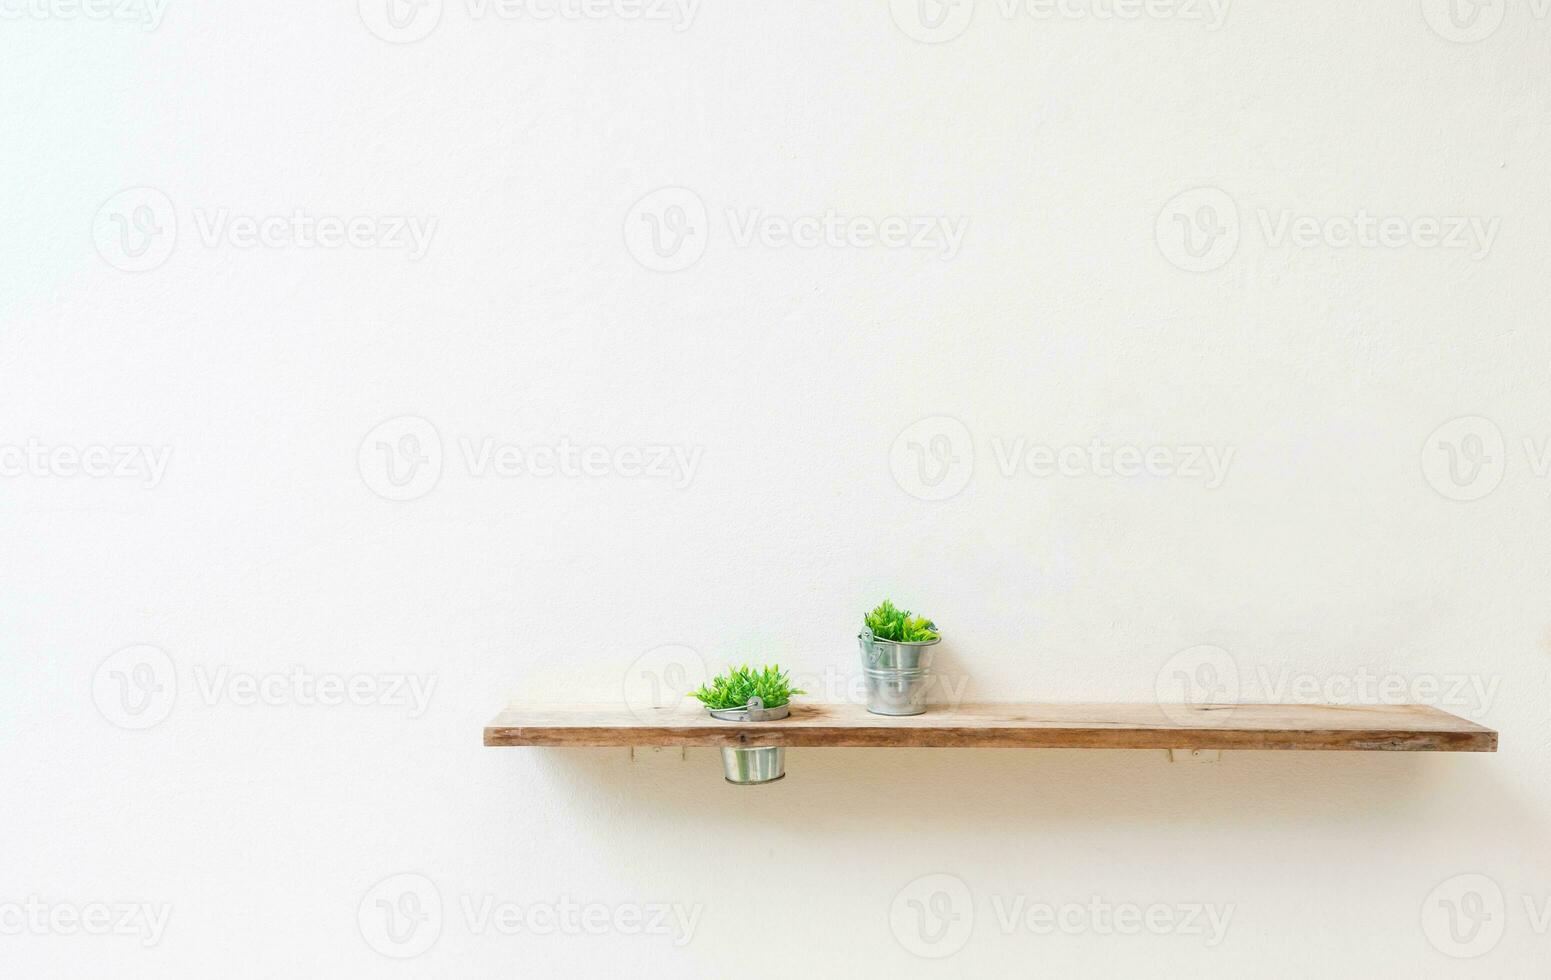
x=889 y=623
x=734 y=688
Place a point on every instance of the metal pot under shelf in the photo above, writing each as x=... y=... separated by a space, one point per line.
x=756 y=765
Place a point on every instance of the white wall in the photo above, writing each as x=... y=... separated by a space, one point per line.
x=1336 y=545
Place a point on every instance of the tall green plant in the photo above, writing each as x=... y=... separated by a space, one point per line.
x=889 y=623
x=734 y=688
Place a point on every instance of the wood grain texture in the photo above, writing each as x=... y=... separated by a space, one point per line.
x=1393 y=728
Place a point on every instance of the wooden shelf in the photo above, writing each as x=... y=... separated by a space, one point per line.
x=1392 y=728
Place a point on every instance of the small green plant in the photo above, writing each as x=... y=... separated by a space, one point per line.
x=734 y=688
x=889 y=623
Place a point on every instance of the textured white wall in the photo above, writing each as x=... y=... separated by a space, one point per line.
x=1157 y=226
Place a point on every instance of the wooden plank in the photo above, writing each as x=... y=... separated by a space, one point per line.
x=1395 y=728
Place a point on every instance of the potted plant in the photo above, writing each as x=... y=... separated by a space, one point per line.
x=748 y=695
x=897 y=659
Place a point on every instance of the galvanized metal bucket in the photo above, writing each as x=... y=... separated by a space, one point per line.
x=760 y=764
x=898 y=674
x=754 y=767
x=755 y=710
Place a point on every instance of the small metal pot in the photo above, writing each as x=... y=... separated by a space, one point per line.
x=755 y=710
x=898 y=674
x=754 y=767
x=760 y=764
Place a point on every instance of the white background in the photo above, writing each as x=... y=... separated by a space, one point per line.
x=1340 y=541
